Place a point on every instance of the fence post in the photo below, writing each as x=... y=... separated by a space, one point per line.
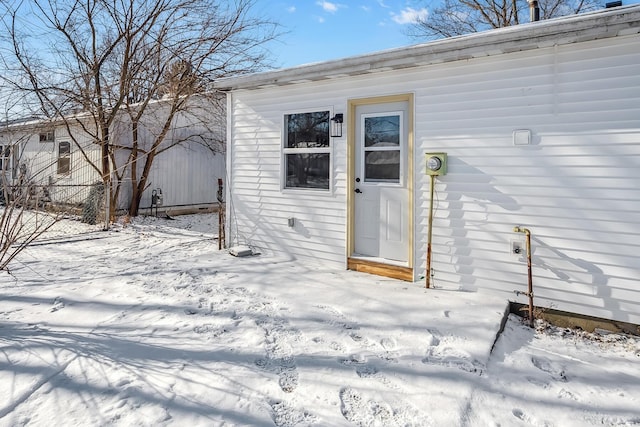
x=221 y=219
x=107 y=204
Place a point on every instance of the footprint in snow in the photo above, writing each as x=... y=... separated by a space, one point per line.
x=388 y=343
x=285 y=368
x=369 y=371
x=369 y=412
x=211 y=331
x=285 y=415
x=279 y=343
x=434 y=337
x=339 y=319
x=336 y=346
x=354 y=408
x=288 y=380
x=567 y=394
x=517 y=412
x=365 y=370
x=442 y=355
x=549 y=367
x=532 y=421
x=58 y=304
x=354 y=359
x=390 y=354
x=538 y=382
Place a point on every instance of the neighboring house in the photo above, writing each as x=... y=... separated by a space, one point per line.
x=58 y=168
x=541 y=126
x=40 y=157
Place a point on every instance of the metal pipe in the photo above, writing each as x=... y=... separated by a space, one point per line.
x=430 y=228
x=527 y=233
x=534 y=11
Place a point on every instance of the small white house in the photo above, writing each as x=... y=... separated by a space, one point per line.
x=536 y=126
x=62 y=163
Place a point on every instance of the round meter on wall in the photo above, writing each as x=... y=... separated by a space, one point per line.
x=436 y=163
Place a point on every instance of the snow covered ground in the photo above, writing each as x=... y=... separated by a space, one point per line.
x=149 y=324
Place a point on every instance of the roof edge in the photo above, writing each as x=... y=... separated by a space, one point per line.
x=600 y=24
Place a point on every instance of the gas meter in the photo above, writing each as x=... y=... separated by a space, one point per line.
x=156 y=197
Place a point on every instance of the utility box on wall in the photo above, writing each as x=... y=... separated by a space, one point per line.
x=436 y=163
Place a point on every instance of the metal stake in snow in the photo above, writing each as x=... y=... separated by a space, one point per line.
x=529 y=293
x=221 y=221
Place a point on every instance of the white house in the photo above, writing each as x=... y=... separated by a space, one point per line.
x=63 y=163
x=540 y=125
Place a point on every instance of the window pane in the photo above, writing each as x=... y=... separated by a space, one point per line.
x=382 y=131
x=308 y=171
x=64 y=165
x=64 y=149
x=307 y=130
x=64 y=157
x=382 y=166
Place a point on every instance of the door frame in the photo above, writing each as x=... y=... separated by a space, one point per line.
x=362 y=264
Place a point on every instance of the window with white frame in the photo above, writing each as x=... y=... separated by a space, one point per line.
x=47 y=136
x=307 y=150
x=382 y=148
x=64 y=158
x=5 y=157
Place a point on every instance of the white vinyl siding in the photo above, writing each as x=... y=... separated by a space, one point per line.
x=65 y=174
x=575 y=186
x=260 y=206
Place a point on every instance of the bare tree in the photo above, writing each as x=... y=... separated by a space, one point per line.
x=22 y=217
x=94 y=64
x=451 y=18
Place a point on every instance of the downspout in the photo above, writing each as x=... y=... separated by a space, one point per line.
x=228 y=170
x=529 y=293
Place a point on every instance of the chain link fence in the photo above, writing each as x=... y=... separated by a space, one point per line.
x=48 y=185
x=43 y=196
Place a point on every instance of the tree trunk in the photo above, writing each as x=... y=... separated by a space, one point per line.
x=136 y=192
x=140 y=185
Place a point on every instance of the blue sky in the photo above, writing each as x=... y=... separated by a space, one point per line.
x=319 y=30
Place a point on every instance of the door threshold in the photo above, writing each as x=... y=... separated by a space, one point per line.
x=380 y=267
x=380 y=260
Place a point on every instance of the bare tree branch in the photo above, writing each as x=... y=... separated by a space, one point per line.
x=457 y=17
x=138 y=62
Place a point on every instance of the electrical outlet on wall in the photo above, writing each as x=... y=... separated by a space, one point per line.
x=517 y=248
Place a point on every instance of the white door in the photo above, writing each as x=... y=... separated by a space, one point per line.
x=382 y=196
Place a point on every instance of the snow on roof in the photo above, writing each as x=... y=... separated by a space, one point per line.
x=619 y=21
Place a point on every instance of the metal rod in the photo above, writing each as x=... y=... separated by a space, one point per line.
x=527 y=233
x=107 y=205
x=221 y=212
x=429 y=232
x=530 y=288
